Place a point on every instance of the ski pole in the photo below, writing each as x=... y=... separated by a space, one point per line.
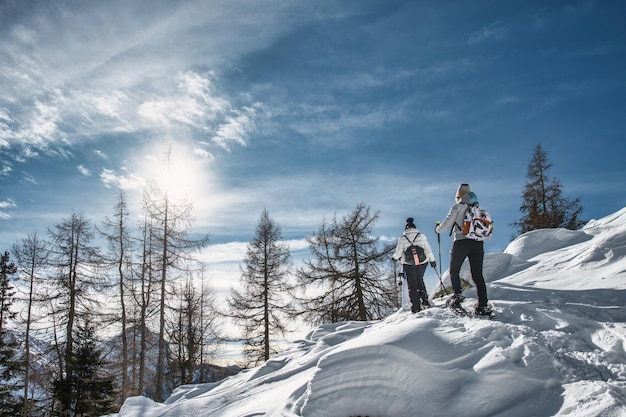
x=439 y=248
x=397 y=275
x=443 y=288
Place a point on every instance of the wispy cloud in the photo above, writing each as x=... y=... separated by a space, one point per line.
x=496 y=30
x=333 y=125
x=511 y=99
x=202 y=153
x=236 y=127
x=5 y=206
x=84 y=171
x=235 y=251
x=124 y=181
x=96 y=71
x=29 y=178
x=193 y=102
x=5 y=170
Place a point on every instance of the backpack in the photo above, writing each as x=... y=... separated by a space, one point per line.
x=414 y=255
x=477 y=224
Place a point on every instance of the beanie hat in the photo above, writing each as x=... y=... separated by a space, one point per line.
x=462 y=190
x=470 y=199
x=410 y=224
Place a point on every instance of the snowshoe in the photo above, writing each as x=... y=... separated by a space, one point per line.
x=483 y=311
x=454 y=305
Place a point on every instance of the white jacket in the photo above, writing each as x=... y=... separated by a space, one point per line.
x=455 y=216
x=420 y=240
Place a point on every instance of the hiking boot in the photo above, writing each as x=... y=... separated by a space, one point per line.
x=456 y=299
x=454 y=304
x=483 y=310
x=424 y=299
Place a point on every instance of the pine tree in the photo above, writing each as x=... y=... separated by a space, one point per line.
x=89 y=391
x=543 y=204
x=192 y=330
x=31 y=254
x=72 y=295
x=116 y=232
x=11 y=366
x=263 y=305
x=348 y=266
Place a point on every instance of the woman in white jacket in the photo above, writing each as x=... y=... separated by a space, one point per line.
x=414 y=273
x=464 y=247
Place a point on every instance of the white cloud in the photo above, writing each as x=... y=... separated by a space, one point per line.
x=236 y=127
x=203 y=153
x=4 y=115
x=24 y=34
x=43 y=123
x=4 y=206
x=192 y=102
x=101 y=154
x=111 y=179
x=84 y=171
x=89 y=70
x=224 y=252
x=5 y=170
x=494 y=31
x=334 y=125
x=111 y=104
x=7 y=204
x=236 y=251
x=29 y=178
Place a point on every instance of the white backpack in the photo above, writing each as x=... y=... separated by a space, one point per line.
x=477 y=224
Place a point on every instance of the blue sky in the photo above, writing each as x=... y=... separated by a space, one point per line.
x=306 y=109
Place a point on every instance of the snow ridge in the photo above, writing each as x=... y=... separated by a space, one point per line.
x=557 y=347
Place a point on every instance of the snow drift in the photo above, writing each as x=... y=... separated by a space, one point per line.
x=557 y=347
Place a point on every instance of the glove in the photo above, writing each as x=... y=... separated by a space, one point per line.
x=433 y=264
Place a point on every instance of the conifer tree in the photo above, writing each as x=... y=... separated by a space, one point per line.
x=116 y=232
x=192 y=329
x=263 y=304
x=72 y=292
x=11 y=366
x=31 y=254
x=543 y=205
x=89 y=391
x=170 y=218
x=348 y=268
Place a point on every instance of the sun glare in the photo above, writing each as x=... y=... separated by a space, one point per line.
x=178 y=172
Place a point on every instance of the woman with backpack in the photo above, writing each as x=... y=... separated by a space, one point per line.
x=465 y=247
x=414 y=252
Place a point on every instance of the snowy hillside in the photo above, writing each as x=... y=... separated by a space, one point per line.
x=557 y=348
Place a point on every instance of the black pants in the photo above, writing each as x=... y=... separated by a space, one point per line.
x=417 y=289
x=474 y=251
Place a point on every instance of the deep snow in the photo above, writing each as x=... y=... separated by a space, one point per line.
x=557 y=347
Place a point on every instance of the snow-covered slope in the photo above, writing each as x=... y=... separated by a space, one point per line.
x=557 y=348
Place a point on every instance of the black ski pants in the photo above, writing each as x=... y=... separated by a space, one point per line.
x=417 y=289
x=474 y=251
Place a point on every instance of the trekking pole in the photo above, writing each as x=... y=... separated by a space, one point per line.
x=443 y=288
x=397 y=275
x=439 y=248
